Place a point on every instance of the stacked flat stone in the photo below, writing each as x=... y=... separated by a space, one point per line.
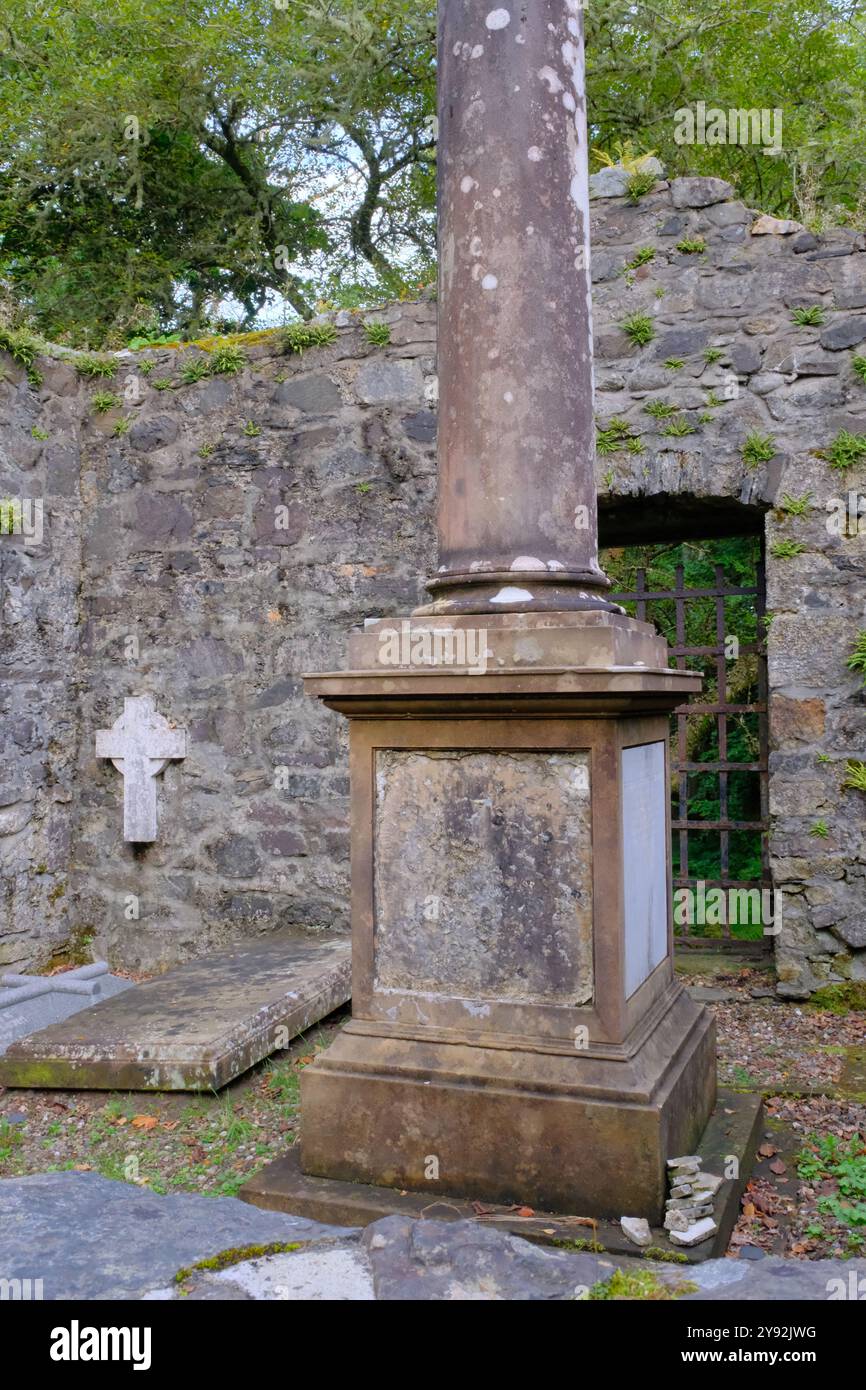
x=689 y=1216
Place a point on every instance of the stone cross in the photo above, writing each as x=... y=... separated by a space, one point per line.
x=140 y=744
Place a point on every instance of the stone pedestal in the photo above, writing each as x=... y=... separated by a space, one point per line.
x=517 y=1033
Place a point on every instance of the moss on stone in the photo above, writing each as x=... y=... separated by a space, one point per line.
x=640 y=1284
x=841 y=998
x=226 y=1258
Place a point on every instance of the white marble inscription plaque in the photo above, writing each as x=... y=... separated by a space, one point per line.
x=645 y=875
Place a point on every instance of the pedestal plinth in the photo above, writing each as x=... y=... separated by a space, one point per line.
x=517 y=1033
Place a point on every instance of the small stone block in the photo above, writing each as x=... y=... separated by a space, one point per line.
x=677 y=1221
x=637 y=1230
x=696 y=1234
x=684 y=1189
x=707 y=1183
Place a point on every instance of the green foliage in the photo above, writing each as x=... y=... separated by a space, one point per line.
x=163 y=383
x=103 y=401
x=678 y=429
x=227 y=359
x=617 y=435
x=298 y=337
x=786 y=549
x=625 y=154
x=738 y=557
x=251 y=429
x=639 y=329
x=195 y=369
x=660 y=410
x=758 y=449
x=379 y=334
x=21 y=345
x=639 y=184
x=674 y=364
x=692 y=246
x=713 y=355
x=857 y=660
x=858 y=362
x=642 y=256
x=797 y=506
x=161 y=161
x=847 y=451
x=93 y=365
x=826 y=1157
x=808 y=317
x=855 y=776
x=841 y=998
x=39 y=433
x=122 y=426
x=820 y=830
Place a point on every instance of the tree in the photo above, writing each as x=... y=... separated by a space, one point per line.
x=172 y=156
x=176 y=154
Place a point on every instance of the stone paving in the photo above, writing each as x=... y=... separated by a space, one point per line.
x=87 y=1237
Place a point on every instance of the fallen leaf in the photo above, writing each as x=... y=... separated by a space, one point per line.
x=778 y=1167
x=170 y=1124
x=749 y=1209
x=145 y=1122
x=767 y=1150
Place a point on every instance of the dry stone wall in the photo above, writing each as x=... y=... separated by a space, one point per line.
x=230 y=535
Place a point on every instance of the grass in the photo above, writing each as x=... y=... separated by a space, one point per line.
x=827 y=1158
x=840 y=999
x=758 y=449
x=660 y=410
x=809 y=317
x=692 y=246
x=642 y=256
x=674 y=364
x=796 y=506
x=121 y=426
x=227 y=359
x=23 y=347
x=855 y=776
x=94 y=365
x=820 y=830
x=617 y=436
x=103 y=401
x=846 y=451
x=38 y=433
x=251 y=429
x=639 y=329
x=640 y=183
x=786 y=550
x=712 y=355
x=195 y=369
x=859 y=364
x=298 y=337
x=379 y=334
x=678 y=429
x=857 y=660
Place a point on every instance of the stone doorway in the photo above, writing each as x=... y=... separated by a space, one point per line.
x=707 y=597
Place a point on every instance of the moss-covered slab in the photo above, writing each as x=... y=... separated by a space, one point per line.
x=194 y=1028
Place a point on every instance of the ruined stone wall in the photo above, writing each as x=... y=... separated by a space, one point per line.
x=231 y=537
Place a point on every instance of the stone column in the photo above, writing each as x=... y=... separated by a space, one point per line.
x=517 y=1033
x=517 y=500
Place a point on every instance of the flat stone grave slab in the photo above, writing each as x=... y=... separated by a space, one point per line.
x=31 y=1002
x=196 y=1027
